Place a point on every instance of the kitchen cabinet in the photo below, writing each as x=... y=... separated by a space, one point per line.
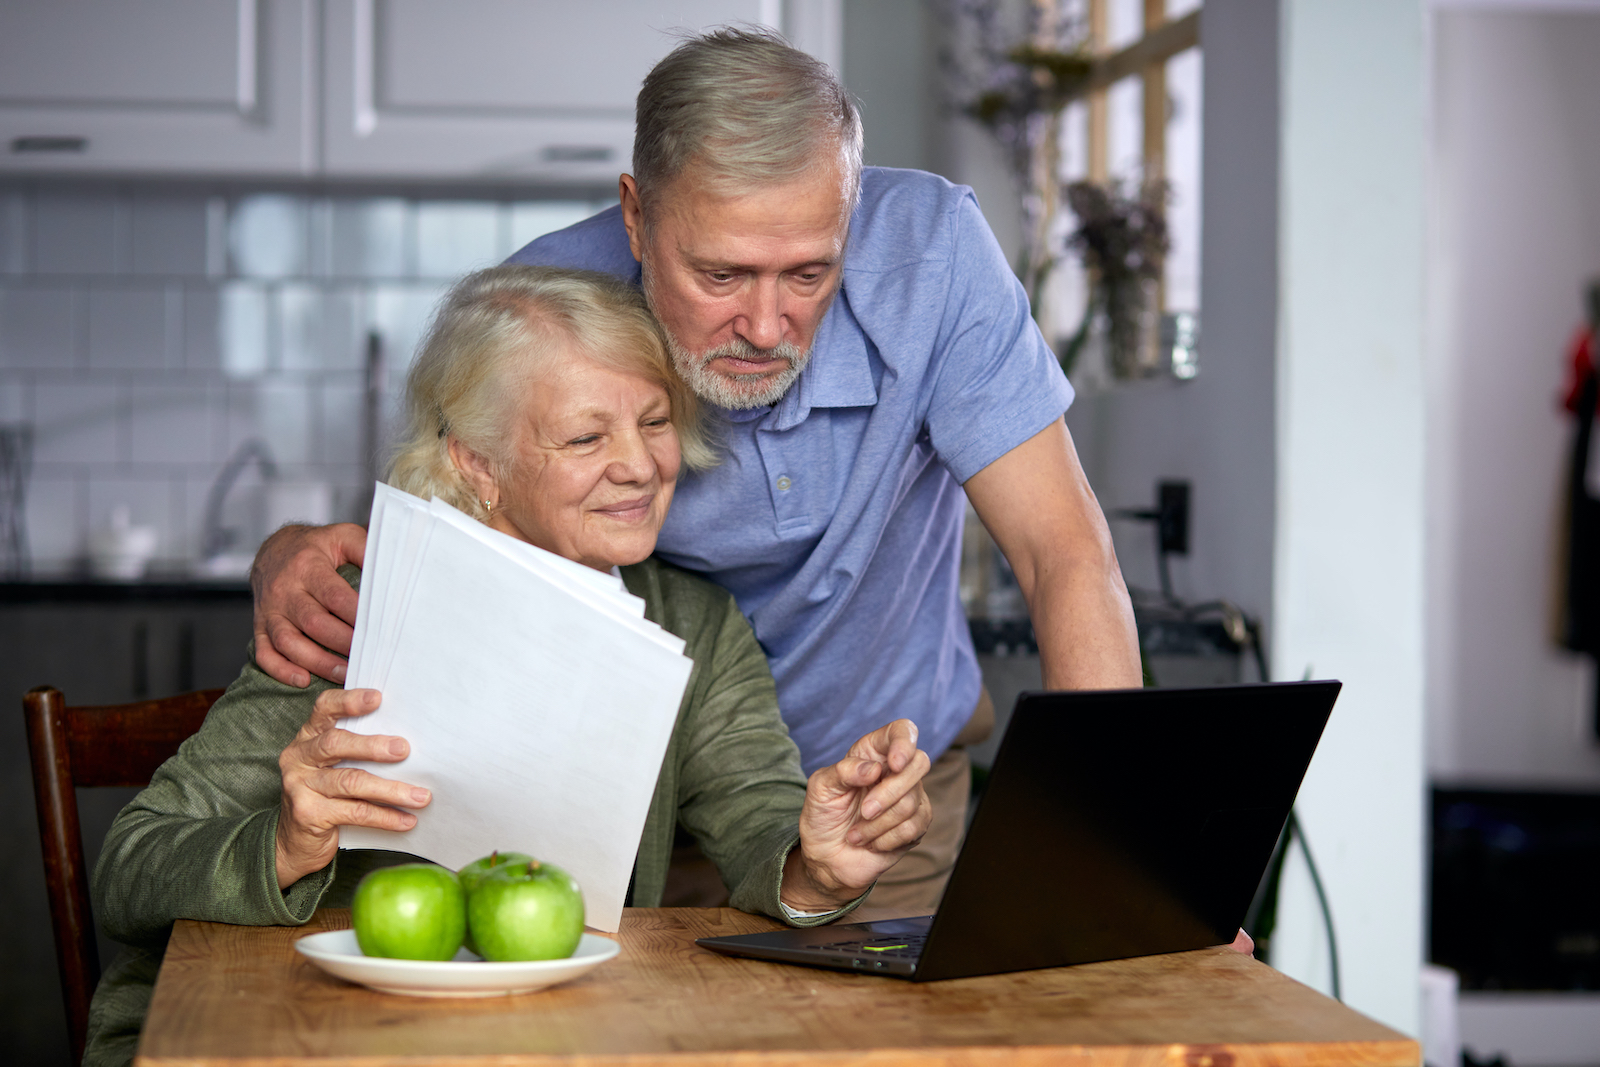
x=496 y=90
x=172 y=86
x=99 y=643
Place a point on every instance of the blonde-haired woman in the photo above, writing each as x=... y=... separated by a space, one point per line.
x=544 y=403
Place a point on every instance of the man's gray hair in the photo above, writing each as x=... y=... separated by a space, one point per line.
x=748 y=108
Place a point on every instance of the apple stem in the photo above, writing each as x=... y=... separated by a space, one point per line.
x=494 y=857
x=533 y=865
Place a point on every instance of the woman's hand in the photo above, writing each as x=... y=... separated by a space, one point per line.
x=319 y=797
x=860 y=816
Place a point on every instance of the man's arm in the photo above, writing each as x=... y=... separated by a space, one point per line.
x=303 y=607
x=1037 y=504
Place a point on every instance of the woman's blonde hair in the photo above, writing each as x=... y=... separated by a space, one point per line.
x=493 y=333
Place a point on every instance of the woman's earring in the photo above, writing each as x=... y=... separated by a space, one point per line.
x=488 y=507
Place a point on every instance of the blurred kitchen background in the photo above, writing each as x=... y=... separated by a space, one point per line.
x=174 y=347
x=224 y=224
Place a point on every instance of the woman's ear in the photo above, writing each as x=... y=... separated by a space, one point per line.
x=475 y=469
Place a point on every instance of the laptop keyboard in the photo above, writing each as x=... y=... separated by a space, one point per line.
x=907 y=947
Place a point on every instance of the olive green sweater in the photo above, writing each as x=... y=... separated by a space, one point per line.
x=199 y=842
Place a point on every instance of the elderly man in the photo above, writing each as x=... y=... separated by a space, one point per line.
x=871 y=355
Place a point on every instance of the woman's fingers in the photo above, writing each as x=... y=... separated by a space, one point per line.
x=889 y=791
x=329 y=748
x=335 y=704
x=894 y=744
x=905 y=822
x=362 y=813
x=352 y=783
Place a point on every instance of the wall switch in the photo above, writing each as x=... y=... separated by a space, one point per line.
x=1172 y=517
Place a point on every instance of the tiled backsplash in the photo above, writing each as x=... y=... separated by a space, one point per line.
x=147 y=332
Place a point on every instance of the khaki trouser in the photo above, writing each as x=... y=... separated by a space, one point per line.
x=912 y=886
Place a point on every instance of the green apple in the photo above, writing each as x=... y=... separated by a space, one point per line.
x=526 y=911
x=476 y=871
x=415 y=911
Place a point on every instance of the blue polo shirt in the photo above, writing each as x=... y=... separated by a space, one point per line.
x=835 y=520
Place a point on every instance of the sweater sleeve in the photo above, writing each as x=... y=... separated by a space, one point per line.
x=198 y=842
x=740 y=784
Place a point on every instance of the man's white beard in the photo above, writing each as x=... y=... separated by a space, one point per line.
x=737 y=391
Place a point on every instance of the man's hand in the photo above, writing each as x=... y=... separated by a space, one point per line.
x=860 y=816
x=303 y=607
x=319 y=797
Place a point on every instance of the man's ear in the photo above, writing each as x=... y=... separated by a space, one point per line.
x=475 y=469
x=632 y=214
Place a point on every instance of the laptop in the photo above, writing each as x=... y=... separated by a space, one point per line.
x=1114 y=823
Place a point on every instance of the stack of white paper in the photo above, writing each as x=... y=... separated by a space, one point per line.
x=537 y=699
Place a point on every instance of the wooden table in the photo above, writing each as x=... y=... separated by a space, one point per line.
x=242 y=996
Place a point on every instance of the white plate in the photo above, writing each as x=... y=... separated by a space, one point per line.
x=337 y=953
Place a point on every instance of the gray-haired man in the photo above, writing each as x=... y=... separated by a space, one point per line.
x=872 y=356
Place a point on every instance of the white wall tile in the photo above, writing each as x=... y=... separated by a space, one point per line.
x=202 y=311
x=267 y=236
x=244 y=330
x=121 y=374
x=320 y=328
x=454 y=237
x=77 y=423
x=174 y=424
x=75 y=233
x=400 y=314
x=41 y=326
x=168 y=234
x=342 y=431
x=369 y=238
x=240 y=420
x=129 y=328
x=56 y=513
x=284 y=414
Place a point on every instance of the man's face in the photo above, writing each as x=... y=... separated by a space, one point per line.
x=741 y=282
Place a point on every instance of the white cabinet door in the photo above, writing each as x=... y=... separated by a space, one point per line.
x=156 y=86
x=507 y=89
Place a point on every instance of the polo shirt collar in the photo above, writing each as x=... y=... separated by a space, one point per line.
x=839 y=374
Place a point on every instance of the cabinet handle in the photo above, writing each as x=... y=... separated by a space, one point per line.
x=49 y=144
x=577 y=153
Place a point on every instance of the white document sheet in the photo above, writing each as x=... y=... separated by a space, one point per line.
x=537 y=699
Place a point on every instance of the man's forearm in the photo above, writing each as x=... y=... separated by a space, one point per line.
x=1083 y=621
x=1036 y=502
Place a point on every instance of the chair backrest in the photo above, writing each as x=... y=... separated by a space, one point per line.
x=114 y=745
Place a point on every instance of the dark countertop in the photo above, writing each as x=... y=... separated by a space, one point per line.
x=83 y=589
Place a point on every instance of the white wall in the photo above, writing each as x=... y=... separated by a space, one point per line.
x=1216 y=431
x=1348 y=589
x=1516 y=236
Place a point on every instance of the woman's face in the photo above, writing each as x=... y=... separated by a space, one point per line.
x=594 y=461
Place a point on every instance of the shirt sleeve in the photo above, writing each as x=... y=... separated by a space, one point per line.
x=200 y=841
x=994 y=382
x=740 y=784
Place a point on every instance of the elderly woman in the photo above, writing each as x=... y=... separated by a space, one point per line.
x=544 y=403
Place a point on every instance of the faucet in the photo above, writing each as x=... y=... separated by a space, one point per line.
x=216 y=539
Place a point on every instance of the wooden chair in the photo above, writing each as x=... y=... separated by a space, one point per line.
x=115 y=745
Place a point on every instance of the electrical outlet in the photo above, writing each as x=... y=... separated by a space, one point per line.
x=1172 y=517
